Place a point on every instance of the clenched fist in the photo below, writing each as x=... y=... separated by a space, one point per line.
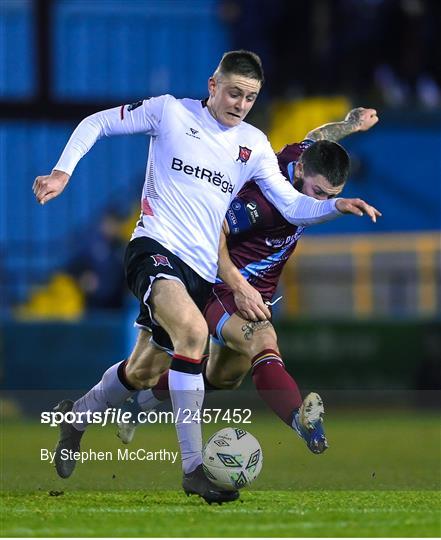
x=362 y=119
x=48 y=187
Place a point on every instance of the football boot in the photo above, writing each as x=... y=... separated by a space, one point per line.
x=68 y=442
x=308 y=423
x=196 y=483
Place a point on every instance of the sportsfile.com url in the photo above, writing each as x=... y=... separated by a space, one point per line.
x=117 y=416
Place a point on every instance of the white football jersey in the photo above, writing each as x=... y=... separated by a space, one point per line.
x=195 y=168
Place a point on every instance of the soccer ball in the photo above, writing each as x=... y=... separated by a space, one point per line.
x=232 y=458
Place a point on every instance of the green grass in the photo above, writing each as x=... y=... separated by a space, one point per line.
x=380 y=477
x=259 y=513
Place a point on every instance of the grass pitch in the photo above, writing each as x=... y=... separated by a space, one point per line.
x=380 y=477
x=259 y=513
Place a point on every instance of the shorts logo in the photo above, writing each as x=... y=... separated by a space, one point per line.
x=244 y=154
x=161 y=260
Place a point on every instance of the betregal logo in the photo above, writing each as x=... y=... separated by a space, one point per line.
x=215 y=178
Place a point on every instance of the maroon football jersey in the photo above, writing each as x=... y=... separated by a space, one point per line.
x=261 y=240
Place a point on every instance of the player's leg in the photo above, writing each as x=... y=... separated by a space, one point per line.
x=171 y=292
x=142 y=369
x=238 y=345
x=144 y=365
x=225 y=368
x=151 y=398
x=112 y=390
x=178 y=314
x=146 y=399
x=258 y=342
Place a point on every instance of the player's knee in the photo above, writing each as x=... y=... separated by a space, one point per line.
x=143 y=370
x=228 y=381
x=267 y=341
x=142 y=377
x=148 y=380
x=192 y=335
x=231 y=384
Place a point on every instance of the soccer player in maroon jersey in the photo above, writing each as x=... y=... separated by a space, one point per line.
x=253 y=251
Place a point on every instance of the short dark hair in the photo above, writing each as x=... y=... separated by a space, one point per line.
x=329 y=159
x=245 y=63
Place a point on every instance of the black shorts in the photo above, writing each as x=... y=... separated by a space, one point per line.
x=147 y=260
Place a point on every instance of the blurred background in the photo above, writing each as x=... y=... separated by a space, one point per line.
x=361 y=302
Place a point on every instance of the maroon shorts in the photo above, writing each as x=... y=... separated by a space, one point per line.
x=218 y=310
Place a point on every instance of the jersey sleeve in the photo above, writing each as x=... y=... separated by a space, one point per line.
x=295 y=207
x=141 y=117
x=244 y=214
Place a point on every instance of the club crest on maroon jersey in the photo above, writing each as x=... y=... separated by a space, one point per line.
x=244 y=154
x=161 y=260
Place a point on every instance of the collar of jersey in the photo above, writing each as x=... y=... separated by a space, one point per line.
x=290 y=169
x=213 y=120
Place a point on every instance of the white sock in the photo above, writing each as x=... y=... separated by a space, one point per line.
x=109 y=392
x=147 y=401
x=187 y=395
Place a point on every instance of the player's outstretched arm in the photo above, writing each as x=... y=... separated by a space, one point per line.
x=359 y=119
x=248 y=300
x=141 y=117
x=357 y=207
x=48 y=187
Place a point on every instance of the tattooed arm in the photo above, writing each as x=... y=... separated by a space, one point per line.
x=359 y=119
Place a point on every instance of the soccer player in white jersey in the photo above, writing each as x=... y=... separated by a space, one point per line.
x=201 y=154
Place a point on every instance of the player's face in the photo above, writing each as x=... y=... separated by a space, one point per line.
x=316 y=185
x=231 y=98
